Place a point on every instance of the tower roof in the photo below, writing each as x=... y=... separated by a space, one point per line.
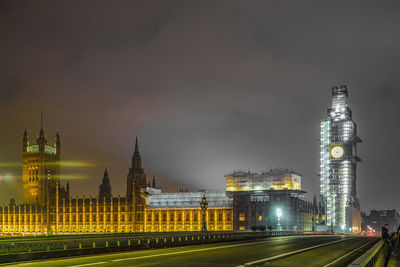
x=341 y=90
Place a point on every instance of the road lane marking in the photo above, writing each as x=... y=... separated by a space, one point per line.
x=88 y=264
x=197 y=250
x=293 y=252
x=333 y=262
x=187 y=251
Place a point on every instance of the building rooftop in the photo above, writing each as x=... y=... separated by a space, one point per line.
x=215 y=199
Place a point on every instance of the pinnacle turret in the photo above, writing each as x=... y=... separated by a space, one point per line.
x=105 y=187
x=25 y=142
x=57 y=144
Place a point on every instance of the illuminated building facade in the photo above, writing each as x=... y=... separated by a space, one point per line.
x=256 y=197
x=180 y=212
x=275 y=179
x=338 y=158
x=250 y=201
x=49 y=209
x=257 y=210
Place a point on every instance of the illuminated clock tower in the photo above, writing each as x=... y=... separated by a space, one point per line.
x=338 y=165
x=40 y=169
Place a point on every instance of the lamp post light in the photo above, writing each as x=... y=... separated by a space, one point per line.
x=204 y=205
x=279 y=214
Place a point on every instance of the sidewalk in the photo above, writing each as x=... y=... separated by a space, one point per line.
x=395 y=258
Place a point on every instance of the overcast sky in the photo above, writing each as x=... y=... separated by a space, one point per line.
x=208 y=86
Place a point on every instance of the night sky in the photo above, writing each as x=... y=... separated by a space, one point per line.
x=208 y=86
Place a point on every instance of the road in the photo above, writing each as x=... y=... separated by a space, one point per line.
x=279 y=251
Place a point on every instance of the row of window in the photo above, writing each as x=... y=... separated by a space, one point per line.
x=107 y=218
x=211 y=217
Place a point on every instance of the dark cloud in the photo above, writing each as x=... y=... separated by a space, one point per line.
x=208 y=86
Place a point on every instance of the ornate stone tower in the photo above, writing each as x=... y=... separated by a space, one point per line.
x=135 y=183
x=40 y=169
x=105 y=187
x=339 y=160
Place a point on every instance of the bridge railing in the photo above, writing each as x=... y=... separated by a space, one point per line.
x=39 y=248
x=377 y=255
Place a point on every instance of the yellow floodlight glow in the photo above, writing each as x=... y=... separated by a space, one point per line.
x=9 y=164
x=74 y=164
x=73 y=177
x=67 y=164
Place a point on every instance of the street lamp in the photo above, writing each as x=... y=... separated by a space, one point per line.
x=204 y=205
x=279 y=214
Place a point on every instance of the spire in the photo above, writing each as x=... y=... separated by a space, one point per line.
x=136 y=159
x=105 y=187
x=41 y=121
x=57 y=144
x=136 y=176
x=41 y=117
x=154 y=182
x=136 y=146
x=25 y=142
x=41 y=132
x=105 y=178
x=315 y=202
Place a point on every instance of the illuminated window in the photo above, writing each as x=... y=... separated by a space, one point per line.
x=242 y=218
x=211 y=217
x=242 y=228
x=259 y=218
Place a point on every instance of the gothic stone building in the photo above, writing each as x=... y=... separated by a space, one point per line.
x=48 y=208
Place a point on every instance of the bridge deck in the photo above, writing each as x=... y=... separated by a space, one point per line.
x=275 y=251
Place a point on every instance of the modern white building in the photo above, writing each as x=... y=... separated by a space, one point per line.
x=338 y=165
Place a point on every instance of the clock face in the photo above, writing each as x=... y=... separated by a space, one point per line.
x=337 y=151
